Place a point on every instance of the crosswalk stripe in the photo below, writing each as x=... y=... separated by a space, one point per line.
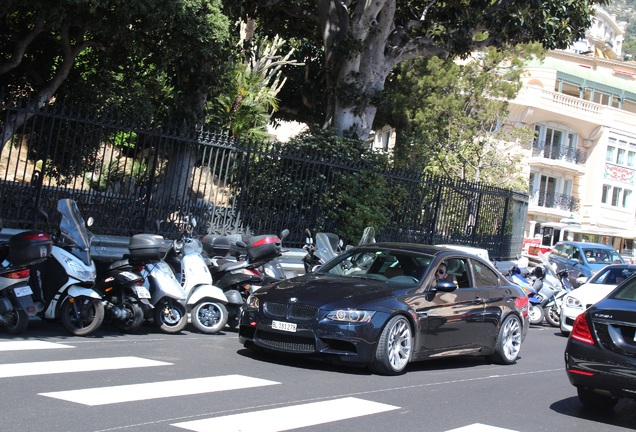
x=478 y=427
x=292 y=417
x=156 y=390
x=24 y=345
x=82 y=365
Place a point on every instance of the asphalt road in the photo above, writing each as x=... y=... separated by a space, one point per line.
x=157 y=382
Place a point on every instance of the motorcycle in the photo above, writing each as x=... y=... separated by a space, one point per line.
x=16 y=296
x=518 y=277
x=559 y=285
x=64 y=282
x=205 y=302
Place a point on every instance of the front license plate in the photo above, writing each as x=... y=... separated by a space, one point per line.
x=22 y=291
x=285 y=326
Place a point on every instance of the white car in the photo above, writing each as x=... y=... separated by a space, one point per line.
x=593 y=290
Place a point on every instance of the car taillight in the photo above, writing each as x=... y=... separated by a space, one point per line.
x=16 y=274
x=581 y=331
x=522 y=304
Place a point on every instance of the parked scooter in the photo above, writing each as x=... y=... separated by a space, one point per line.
x=64 y=282
x=254 y=265
x=205 y=302
x=167 y=305
x=16 y=296
x=519 y=278
x=320 y=249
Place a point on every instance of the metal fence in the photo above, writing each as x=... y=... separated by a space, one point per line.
x=132 y=178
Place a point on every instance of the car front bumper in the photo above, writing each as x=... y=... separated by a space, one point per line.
x=345 y=342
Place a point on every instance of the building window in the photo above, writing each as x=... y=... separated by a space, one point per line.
x=627 y=196
x=609 y=156
x=616 y=196
x=620 y=157
x=616 y=193
x=630 y=158
x=605 y=195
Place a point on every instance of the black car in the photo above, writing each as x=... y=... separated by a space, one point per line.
x=600 y=356
x=381 y=305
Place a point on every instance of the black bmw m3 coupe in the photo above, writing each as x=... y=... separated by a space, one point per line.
x=384 y=305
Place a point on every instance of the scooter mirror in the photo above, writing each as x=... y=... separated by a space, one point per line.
x=284 y=234
x=193 y=222
x=90 y=221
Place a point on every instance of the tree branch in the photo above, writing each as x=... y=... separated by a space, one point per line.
x=20 y=47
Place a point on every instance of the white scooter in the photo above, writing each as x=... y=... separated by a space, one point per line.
x=64 y=282
x=205 y=302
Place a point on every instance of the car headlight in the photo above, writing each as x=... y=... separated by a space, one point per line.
x=573 y=303
x=252 y=303
x=351 y=315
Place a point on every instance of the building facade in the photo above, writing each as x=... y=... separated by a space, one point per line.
x=581 y=105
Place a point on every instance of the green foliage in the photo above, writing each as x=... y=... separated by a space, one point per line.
x=339 y=175
x=450 y=116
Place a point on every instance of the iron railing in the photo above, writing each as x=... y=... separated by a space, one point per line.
x=556 y=151
x=133 y=178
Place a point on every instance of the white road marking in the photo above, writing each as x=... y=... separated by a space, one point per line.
x=292 y=417
x=82 y=365
x=478 y=427
x=156 y=390
x=24 y=345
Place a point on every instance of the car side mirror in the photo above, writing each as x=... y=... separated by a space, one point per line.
x=445 y=286
x=581 y=280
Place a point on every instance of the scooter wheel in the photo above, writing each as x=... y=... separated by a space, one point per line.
x=535 y=314
x=136 y=318
x=18 y=320
x=209 y=317
x=170 y=317
x=82 y=316
x=552 y=315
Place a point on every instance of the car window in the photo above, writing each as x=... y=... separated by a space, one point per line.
x=626 y=292
x=599 y=255
x=457 y=270
x=558 y=249
x=483 y=275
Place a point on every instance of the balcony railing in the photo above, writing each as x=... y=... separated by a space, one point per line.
x=556 y=201
x=558 y=152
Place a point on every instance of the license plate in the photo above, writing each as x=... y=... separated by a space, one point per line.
x=142 y=292
x=285 y=326
x=22 y=291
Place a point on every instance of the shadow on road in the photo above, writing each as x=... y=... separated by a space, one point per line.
x=623 y=414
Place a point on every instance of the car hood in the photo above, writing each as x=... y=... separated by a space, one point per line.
x=591 y=293
x=330 y=291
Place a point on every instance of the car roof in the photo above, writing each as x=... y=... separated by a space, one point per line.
x=586 y=244
x=620 y=266
x=421 y=248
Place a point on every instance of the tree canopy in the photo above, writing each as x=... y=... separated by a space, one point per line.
x=362 y=42
x=172 y=53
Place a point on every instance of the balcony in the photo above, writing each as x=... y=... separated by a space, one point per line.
x=558 y=153
x=555 y=201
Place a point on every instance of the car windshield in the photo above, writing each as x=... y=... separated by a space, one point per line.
x=612 y=276
x=597 y=255
x=393 y=266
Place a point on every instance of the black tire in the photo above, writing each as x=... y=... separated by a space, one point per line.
x=508 y=342
x=395 y=345
x=597 y=401
x=170 y=316
x=535 y=314
x=136 y=319
x=17 y=321
x=552 y=315
x=81 y=316
x=209 y=317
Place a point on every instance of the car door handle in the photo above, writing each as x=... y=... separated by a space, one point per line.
x=479 y=300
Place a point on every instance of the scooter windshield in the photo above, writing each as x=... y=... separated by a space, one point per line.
x=368 y=236
x=548 y=268
x=324 y=248
x=73 y=230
